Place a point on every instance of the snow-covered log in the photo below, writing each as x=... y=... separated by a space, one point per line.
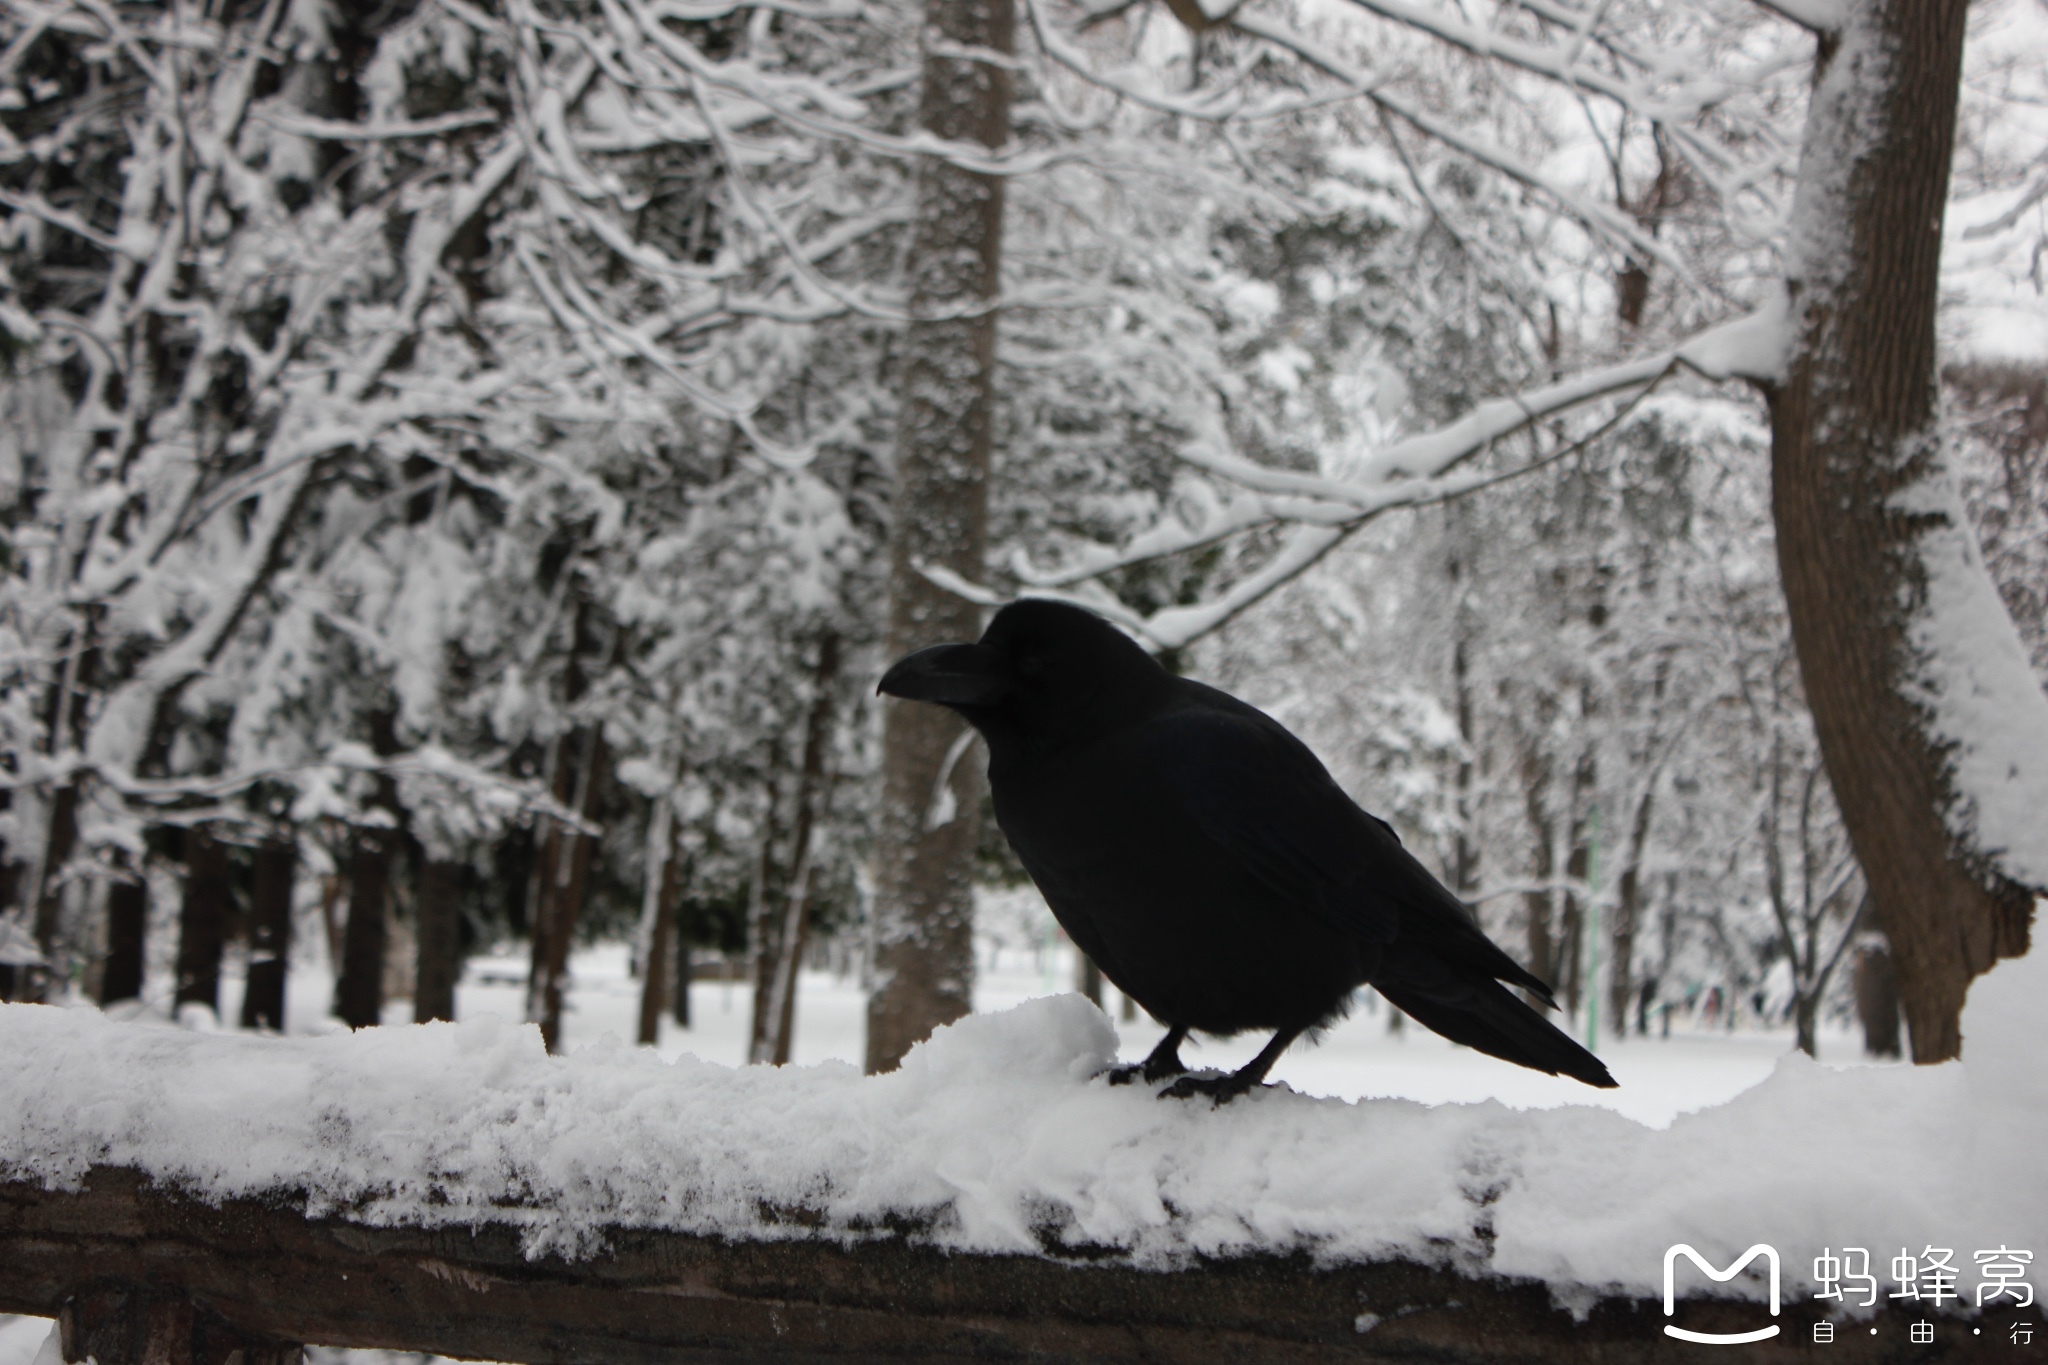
x=454 y=1188
x=248 y=1276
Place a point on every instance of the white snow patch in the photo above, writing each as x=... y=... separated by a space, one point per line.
x=1973 y=674
x=1754 y=346
x=1001 y=1136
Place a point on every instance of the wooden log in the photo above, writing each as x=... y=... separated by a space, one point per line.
x=111 y=1324
x=261 y=1274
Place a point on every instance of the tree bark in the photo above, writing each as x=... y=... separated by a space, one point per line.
x=566 y=875
x=1087 y=977
x=1537 y=905
x=359 y=994
x=50 y=885
x=1877 y=1002
x=203 y=920
x=1858 y=481
x=660 y=973
x=923 y=930
x=270 y=934
x=127 y=939
x=437 y=915
x=542 y=885
x=1628 y=912
x=776 y=977
x=1465 y=847
x=686 y=972
x=69 y=702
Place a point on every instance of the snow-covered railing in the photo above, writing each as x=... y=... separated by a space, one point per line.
x=451 y=1188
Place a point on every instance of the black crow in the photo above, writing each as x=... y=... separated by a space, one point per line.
x=1207 y=861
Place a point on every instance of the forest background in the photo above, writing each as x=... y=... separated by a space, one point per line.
x=466 y=463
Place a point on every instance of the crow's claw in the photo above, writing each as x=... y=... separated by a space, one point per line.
x=1152 y=1070
x=1221 y=1089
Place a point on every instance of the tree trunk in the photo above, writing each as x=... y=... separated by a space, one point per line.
x=659 y=974
x=666 y=976
x=686 y=971
x=1628 y=913
x=359 y=994
x=330 y=921
x=561 y=904
x=775 y=984
x=1464 y=868
x=437 y=919
x=270 y=934
x=1579 y=867
x=1087 y=977
x=203 y=920
x=127 y=939
x=1866 y=514
x=58 y=847
x=1806 y=1022
x=542 y=884
x=1877 y=1002
x=924 y=908
x=1537 y=904
x=1465 y=851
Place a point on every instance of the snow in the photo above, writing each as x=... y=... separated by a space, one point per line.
x=1822 y=16
x=1000 y=1135
x=28 y=1341
x=1753 y=346
x=1973 y=675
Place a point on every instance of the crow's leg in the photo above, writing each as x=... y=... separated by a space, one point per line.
x=1223 y=1088
x=1163 y=1062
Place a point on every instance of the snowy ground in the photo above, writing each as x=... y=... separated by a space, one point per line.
x=1358 y=1059
x=1660 y=1077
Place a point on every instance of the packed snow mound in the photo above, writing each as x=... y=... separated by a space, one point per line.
x=1002 y=1135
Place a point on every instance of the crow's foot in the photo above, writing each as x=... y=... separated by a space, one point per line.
x=1164 y=1063
x=1221 y=1089
x=1152 y=1070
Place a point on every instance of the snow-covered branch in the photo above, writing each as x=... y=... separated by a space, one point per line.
x=1415 y=471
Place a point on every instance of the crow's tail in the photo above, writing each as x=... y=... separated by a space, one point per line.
x=1483 y=1014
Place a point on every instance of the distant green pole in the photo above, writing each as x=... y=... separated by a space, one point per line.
x=1593 y=931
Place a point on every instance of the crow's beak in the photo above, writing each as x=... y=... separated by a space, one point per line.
x=951 y=675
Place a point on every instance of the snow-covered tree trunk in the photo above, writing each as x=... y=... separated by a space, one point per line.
x=924 y=952
x=1933 y=727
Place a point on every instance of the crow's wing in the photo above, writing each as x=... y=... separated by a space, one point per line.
x=1259 y=793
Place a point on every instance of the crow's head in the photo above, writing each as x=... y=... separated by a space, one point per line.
x=1043 y=672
